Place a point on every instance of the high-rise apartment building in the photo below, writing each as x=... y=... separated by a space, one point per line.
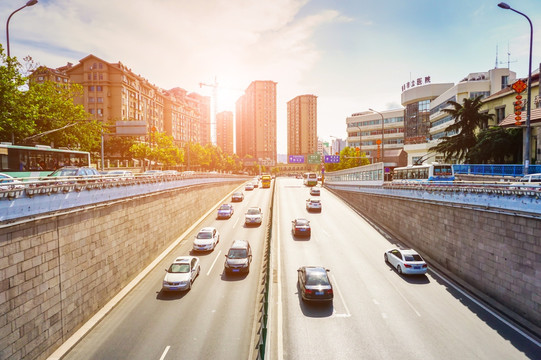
x=302 y=125
x=256 y=122
x=224 y=132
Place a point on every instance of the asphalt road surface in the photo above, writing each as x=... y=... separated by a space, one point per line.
x=376 y=313
x=214 y=320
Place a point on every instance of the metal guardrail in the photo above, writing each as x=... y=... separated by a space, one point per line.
x=23 y=199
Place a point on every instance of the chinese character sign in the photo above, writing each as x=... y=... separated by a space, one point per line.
x=332 y=159
x=296 y=159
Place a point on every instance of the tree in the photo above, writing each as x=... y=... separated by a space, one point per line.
x=497 y=145
x=44 y=112
x=468 y=119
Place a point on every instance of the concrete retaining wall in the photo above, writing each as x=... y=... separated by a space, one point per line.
x=55 y=273
x=496 y=255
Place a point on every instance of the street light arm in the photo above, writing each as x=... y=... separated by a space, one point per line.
x=28 y=3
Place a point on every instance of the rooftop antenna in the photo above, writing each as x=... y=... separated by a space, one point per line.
x=509 y=61
x=496 y=64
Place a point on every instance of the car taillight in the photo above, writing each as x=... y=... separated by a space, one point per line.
x=407 y=265
x=308 y=291
x=424 y=266
x=329 y=291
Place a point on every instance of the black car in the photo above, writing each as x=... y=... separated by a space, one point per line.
x=300 y=227
x=238 y=258
x=314 y=284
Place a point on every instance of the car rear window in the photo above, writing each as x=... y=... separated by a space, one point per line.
x=253 y=211
x=224 y=207
x=413 y=257
x=204 y=235
x=317 y=278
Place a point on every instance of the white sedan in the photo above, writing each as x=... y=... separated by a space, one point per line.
x=253 y=216
x=206 y=239
x=313 y=205
x=406 y=261
x=181 y=274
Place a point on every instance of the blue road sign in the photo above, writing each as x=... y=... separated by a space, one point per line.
x=333 y=159
x=296 y=159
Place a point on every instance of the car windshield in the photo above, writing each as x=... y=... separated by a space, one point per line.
x=413 y=257
x=224 y=207
x=204 y=235
x=253 y=212
x=179 y=268
x=317 y=278
x=237 y=254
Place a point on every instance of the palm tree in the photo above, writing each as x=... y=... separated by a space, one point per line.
x=467 y=120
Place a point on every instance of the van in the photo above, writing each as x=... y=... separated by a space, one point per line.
x=238 y=258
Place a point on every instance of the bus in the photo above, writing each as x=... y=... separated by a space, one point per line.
x=265 y=181
x=424 y=173
x=310 y=179
x=37 y=161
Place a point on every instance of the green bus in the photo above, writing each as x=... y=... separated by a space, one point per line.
x=38 y=161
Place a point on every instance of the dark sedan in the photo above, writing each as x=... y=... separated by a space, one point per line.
x=314 y=284
x=300 y=227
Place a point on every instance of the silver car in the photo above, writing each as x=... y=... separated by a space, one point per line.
x=406 y=261
x=313 y=205
x=253 y=216
x=181 y=274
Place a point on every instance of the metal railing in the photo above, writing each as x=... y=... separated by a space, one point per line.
x=494 y=169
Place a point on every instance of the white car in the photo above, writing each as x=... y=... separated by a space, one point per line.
x=249 y=187
x=181 y=274
x=406 y=261
x=315 y=191
x=206 y=239
x=8 y=182
x=313 y=205
x=253 y=216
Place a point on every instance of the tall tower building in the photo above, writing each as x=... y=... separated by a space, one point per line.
x=302 y=125
x=224 y=132
x=256 y=122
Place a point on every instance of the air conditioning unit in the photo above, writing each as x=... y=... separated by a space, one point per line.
x=536 y=100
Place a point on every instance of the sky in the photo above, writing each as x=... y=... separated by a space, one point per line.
x=352 y=54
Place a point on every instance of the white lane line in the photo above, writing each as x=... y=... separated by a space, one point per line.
x=165 y=352
x=214 y=262
x=384 y=315
x=405 y=299
x=347 y=314
x=236 y=222
x=375 y=301
x=488 y=310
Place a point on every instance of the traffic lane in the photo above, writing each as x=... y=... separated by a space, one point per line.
x=387 y=306
x=147 y=321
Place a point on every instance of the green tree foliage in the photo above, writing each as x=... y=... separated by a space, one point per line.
x=14 y=115
x=497 y=145
x=42 y=113
x=468 y=119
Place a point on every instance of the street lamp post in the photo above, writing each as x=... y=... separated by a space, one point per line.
x=28 y=3
x=528 y=109
x=382 y=133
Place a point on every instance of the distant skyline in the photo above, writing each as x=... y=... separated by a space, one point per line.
x=353 y=55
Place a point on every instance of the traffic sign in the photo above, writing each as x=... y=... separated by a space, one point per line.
x=333 y=159
x=314 y=159
x=296 y=159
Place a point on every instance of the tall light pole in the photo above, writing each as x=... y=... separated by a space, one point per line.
x=28 y=3
x=382 y=133
x=528 y=111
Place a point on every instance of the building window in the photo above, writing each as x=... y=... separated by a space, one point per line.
x=91 y=88
x=91 y=100
x=505 y=82
x=99 y=88
x=500 y=113
x=100 y=100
